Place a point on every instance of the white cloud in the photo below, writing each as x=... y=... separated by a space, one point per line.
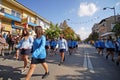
x=118 y=3
x=87 y=9
x=83 y=32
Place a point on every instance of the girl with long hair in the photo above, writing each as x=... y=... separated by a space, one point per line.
x=39 y=53
x=25 y=46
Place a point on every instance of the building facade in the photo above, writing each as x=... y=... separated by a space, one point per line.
x=15 y=16
x=95 y=28
x=105 y=26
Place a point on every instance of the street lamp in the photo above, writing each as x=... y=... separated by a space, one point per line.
x=114 y=11
x=67 y=20
x=61 y=24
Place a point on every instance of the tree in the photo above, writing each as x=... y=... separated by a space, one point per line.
x=116 y=29
x=92 y=37
x=53 y=31
x=78 y=38
x=68 y=32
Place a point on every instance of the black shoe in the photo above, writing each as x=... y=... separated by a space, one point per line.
x=106 y=57
x=117 y=63
x=45 y=75
x=60 y=63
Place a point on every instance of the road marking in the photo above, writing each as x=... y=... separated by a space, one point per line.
x=90 y=66
x=87 y=63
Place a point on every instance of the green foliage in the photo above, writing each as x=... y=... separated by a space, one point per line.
x=116 y=29
x=92 y=37
x=53 y=31
x=68 y=33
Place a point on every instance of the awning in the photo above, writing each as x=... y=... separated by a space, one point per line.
x=17 y=27
x=14 y=26
x=32 y=24
x=107 y=34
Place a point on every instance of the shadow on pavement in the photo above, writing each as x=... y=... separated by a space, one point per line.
x=84 y=75
x=10 y=73
x=70 y=60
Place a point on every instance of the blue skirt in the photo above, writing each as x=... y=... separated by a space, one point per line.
x=25 y=51
x=62 y=50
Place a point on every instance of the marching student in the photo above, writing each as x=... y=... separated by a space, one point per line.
x=118 y=58
x=110 y=47
x=25 y=46
x=63 y=47
x=47 y=45
x=39 y=53
x=69 y=46
x=53 y=44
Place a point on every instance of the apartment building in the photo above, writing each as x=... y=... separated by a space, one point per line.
x=95 y=28
x=15 y=16
x=105 y=26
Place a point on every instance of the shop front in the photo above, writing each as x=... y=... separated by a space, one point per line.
x=5 y=26
x=16 y=28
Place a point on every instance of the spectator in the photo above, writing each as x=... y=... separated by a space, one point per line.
x=2 y=44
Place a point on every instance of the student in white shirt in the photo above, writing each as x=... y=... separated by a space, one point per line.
x=62 y=45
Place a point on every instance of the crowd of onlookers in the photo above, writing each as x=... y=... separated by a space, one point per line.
x=110 y=47
x=7 y=41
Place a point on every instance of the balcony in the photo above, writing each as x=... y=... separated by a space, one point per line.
x=12 y=17
x=7 y=13
x=32 y=24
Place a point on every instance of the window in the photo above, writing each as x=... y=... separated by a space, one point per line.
x=18 y=15
x=40 y=22
x=29 y=19
x=118 y=19
x=2 y=9
x=13 y=12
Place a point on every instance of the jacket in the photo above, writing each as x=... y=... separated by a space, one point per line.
x=39 y=51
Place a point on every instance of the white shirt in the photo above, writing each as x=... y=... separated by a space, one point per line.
x=62 y=44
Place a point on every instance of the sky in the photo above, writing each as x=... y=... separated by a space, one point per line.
x=83 y=14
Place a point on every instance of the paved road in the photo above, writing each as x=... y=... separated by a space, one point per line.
x=84 y=64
